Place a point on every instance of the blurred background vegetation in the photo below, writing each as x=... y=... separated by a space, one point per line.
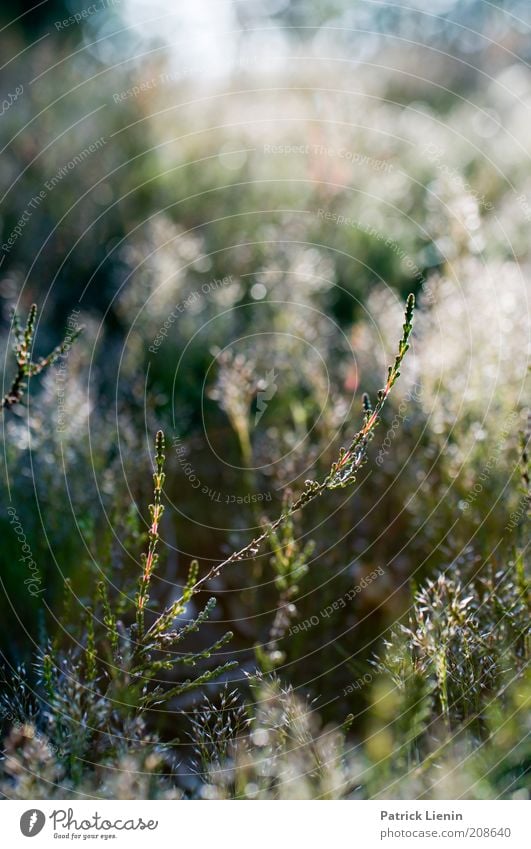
x=237 y=197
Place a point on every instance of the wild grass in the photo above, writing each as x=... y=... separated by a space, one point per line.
x=447 y=692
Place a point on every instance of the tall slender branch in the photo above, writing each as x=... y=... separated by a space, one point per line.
x=343 y=472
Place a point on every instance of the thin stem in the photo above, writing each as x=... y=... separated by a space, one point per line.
x=343 y=471
x=150 y=559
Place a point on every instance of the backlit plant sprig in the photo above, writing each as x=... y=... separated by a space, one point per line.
x=144 y=652
x=153 y=649
x=344 y=470
x=156 y=510
x=22 y=350
x=99 y=689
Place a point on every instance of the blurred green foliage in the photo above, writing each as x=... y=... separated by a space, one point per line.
x=254 y=235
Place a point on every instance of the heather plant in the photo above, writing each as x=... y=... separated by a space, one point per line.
x=448 y=713
x=437 y=697
x=97 y=681
x=114 y=661
x=343 y=471
x=450 y=692
x=287 y=241
x=22 y=350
